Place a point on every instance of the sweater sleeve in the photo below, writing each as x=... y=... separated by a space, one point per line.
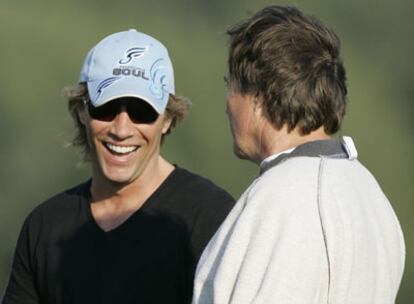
x=21 y=287
x=270 y=250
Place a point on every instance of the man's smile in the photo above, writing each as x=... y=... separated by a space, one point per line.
x=120 y=150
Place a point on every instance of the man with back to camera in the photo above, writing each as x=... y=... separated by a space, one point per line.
x=135 y=231
x=314 y=226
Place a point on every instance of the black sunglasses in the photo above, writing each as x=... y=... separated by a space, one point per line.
x=139 y=111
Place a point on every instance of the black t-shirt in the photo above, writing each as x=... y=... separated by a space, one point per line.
x=62 y=256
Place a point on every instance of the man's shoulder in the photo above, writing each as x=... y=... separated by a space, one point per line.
x=61 y=202
x=192 y=184
x=287 y=184
x=197 y=182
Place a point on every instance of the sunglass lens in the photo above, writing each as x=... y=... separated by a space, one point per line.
x=139 y=111
x=107 y=112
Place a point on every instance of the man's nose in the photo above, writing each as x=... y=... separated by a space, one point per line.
x=122 y=126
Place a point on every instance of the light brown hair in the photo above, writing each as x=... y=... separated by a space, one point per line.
x=291 y=61
x=177 y=108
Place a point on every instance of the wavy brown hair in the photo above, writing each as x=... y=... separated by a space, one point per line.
x=291 y=61
x=176 y=110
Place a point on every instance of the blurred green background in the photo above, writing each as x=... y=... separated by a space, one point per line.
x=43 y=44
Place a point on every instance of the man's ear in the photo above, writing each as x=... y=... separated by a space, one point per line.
x=166 y=124
x=82 y=114
x=258 y=105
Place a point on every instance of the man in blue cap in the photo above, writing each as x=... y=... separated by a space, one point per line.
x=134 y=232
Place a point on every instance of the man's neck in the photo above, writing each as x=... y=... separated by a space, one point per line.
x=112 y=203
x=273 y=141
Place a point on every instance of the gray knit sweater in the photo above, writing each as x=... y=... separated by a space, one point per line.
x=313 y=227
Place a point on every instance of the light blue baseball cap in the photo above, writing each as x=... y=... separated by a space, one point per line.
x=129 y=64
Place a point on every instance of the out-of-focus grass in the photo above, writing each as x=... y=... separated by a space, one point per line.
x=43 y=44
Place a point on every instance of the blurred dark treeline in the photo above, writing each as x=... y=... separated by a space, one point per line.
x=43 y=44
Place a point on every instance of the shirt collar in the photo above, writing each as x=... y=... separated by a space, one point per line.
x=332 y=148
x=268 y=159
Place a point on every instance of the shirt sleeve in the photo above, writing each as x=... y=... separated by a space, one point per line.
x=212 y=213
x=213 y=208
x=21 y=286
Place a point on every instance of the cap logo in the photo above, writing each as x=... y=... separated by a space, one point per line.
x=158 y=75
x=134 y=52
x=106 y=83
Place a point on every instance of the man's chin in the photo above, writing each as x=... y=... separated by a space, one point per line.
x=116 y=177
x=239 y=153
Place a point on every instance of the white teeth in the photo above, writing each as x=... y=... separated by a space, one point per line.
x=119 y=149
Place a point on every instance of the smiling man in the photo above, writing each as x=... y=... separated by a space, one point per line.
x=134 y=232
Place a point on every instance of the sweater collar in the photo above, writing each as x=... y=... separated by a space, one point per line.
x=332 y=148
